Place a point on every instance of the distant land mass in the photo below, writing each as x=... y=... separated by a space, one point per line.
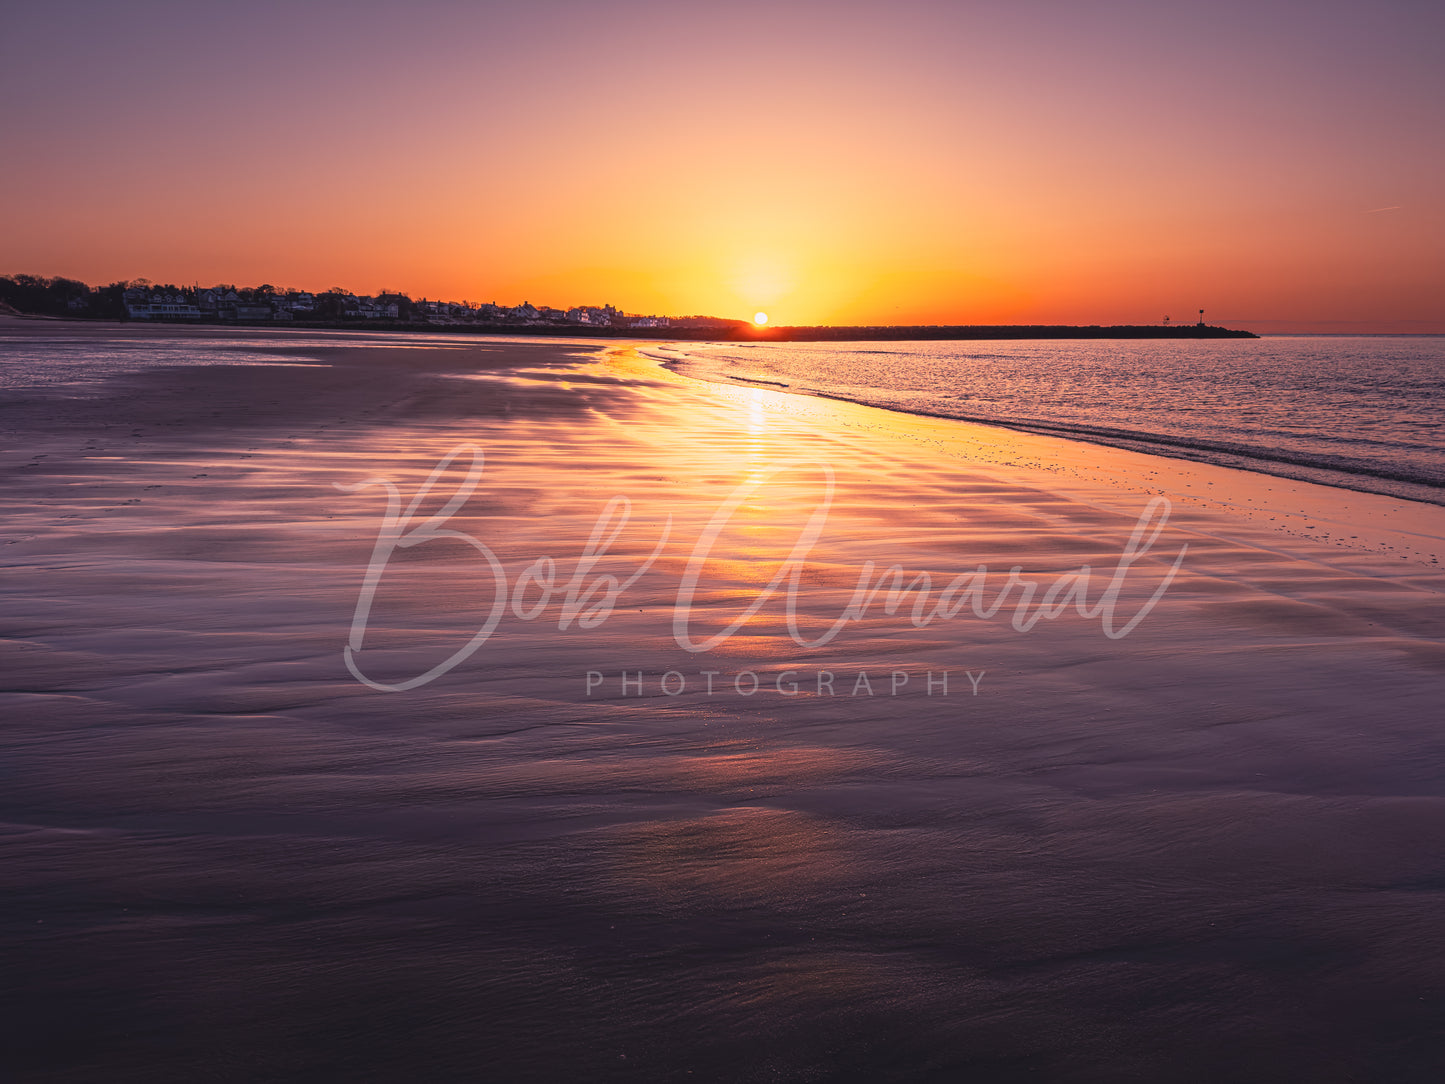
x=743 y=331
x=141 y=300
x=827 y=333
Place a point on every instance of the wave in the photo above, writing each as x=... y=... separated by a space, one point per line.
x=1403 y=481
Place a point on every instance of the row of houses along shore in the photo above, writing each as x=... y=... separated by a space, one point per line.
x=228 y=304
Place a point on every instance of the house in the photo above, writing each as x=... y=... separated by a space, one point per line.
x=590 y=315
x=160 y=306
x=212 y=301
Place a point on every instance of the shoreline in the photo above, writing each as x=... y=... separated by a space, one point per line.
x=1145 y=444
x=1394 y=523
x=1154 y=444
x=1289 y=507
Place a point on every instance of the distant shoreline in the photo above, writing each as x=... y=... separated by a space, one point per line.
x=984 y=331
x=749 y=333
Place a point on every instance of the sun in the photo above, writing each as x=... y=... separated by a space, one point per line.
x=760 y=318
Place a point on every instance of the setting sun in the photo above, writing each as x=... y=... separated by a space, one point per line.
x=760 y=318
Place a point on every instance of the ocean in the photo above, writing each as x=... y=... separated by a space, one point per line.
x=1360 y=412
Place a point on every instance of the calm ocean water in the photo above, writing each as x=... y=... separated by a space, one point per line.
x=1360 y=412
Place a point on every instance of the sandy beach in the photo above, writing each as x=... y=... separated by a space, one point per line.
x=1180 y=819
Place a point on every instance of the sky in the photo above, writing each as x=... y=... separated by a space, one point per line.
x=1278 y=164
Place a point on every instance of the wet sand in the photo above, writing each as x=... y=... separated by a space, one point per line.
x=1210 y=850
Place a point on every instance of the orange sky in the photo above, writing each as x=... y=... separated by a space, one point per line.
x=1277 y=164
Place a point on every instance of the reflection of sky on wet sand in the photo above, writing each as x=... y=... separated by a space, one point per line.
x=222 y=836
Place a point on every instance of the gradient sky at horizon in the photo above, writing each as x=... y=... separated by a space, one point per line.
x=1279 y=164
